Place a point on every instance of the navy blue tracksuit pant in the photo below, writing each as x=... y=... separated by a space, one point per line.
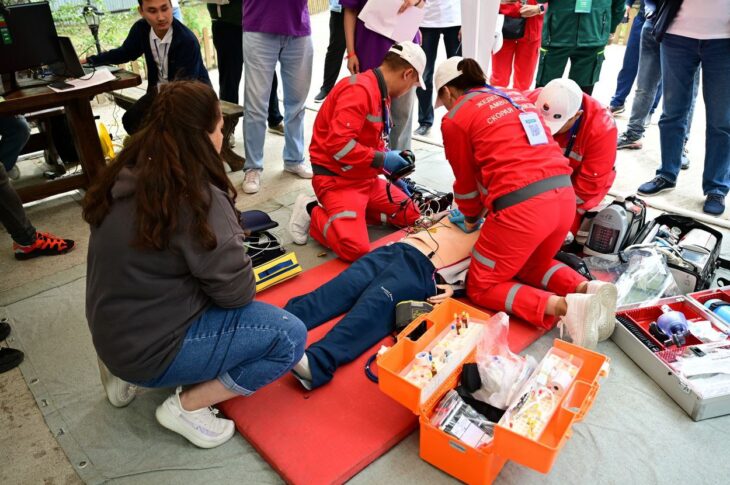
x=370 y=289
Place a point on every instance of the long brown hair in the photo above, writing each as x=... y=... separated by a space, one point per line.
x=174 y=160
x=471 y=75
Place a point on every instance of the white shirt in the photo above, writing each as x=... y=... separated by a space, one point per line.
x=702 y=19
x=160 y=52
x=442 y=13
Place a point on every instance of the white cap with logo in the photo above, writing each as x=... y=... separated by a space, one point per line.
x=414 y=55
x=445 y=73
x=559 y=101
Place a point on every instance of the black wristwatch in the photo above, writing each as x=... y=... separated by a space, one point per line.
x=542 y=8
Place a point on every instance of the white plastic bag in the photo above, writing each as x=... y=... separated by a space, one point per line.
x=502 y=373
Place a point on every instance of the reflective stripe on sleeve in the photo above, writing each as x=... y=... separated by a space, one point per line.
x=482 y=259
x=345 y=150
x=511 y=297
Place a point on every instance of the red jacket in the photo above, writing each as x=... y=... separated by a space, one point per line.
x=489 y=153
x=533 y=26
x=347 y=138
x=593 y=155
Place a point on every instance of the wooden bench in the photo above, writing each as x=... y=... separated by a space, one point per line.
x=125 y=98
x=43 y=140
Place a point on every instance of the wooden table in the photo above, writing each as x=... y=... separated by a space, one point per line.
x=77 y=104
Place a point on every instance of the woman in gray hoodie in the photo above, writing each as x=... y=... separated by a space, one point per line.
x=170 y=289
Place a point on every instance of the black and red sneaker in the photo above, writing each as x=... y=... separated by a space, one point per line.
x=45 y=245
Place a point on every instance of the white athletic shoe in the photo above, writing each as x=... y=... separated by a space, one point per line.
x=252 y=181
x=119 y=392
x=582 y=319
x=303 y=170
x=302 y=372
x=607 y=294
x=300 y=219
x=201 y=427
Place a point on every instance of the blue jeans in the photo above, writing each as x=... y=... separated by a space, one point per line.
x=14 y=133
x=245 y=348
x=627 y=74
x=261 y=52
x=367 y=292
x=430 y=45
x=681 y=58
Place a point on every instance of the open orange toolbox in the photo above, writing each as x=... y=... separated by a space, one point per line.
x=481 y=466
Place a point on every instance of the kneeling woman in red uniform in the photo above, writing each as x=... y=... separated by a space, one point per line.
x=510 y=170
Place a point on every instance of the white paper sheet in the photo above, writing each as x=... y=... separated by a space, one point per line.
x=382 y=16
x=100 y=76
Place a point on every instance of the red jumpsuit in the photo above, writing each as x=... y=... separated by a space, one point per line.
x=524 y=52
x=592 y=156
x=347 y=153
x=512 y=266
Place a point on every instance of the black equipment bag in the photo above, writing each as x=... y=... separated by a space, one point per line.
x=262 y=246
x=689 y=278
x=514 y=27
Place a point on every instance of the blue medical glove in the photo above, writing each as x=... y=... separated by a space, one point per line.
x=457 y=219
x=400 y=183
x=394 y=162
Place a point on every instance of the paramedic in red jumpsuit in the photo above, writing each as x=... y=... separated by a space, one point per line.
x=524 y=52
x=522 y=188
x=586 y=133
x=348 y=153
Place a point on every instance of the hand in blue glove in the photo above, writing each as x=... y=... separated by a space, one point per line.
x=400 y=183
x=394 y=162
x=458 y=219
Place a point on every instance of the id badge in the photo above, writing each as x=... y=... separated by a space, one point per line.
x=533 y=128
x=583 y=6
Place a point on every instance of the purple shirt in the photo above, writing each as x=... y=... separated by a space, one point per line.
x=370 y=47
x=279 y=17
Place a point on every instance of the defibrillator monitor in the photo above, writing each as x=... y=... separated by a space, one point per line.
x=607 y=232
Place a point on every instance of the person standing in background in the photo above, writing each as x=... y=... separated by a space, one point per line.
x=366 y=50
x=577 y=30
x=694 y=34
x=275 y=32
x=176 y=11
x=335 y=51
x=442 y=18
x=524 y=52
x=227 y=29
x=630 y=66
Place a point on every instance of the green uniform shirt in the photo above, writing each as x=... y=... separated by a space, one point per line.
x=230 y=14
x=565 y=28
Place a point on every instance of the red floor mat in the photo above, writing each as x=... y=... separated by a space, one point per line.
x=329 y=435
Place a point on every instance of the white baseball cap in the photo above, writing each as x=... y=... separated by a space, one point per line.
x=414 y=55
x=445 y=73
x=559 y=101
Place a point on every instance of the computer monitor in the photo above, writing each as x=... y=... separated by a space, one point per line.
x=28 y=37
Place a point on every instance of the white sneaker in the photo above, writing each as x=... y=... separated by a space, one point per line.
x=582 y=319
x=14 y=173
x=302 y=372
x=252 y=181
x=607 y=294
x=119 y=392
x=201 y=427
x=300 y=219
x=303 y=170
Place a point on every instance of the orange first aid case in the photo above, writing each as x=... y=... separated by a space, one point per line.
x=481 y=466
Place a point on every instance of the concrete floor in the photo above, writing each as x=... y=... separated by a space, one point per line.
x=30 y=454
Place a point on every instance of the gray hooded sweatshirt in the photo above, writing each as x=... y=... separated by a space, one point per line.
x=141 y=302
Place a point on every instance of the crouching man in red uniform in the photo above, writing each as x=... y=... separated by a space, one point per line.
x=509 y=170
x=349 y=151
x=586 y=133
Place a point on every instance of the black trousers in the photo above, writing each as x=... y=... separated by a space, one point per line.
x=335 y=51
x=228 y=42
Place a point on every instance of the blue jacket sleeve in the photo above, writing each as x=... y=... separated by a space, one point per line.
x=131 y=49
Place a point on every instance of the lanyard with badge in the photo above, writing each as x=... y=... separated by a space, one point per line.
x=161 y=59
x=572 y=135
x=530 y=120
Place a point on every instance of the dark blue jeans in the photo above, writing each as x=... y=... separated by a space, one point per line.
x=630 y=66
x=681 y=58
x=368 y=291
x=430 y=45
x=245 y=348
